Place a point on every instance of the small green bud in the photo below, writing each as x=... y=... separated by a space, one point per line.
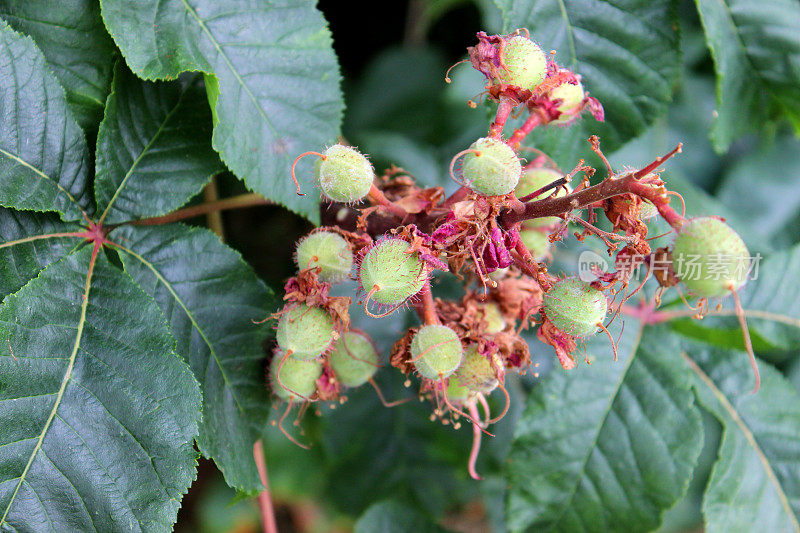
x=437 y=350
x=344 y=175
x=575 y=307
x=390 y=273
x=306 y=331
x=327 y=250
x=710 y=258
x=478 y=373
x=495 y=322
x=353 y=359
x=525 y=63
x=299 y=377
x=492 y=168
x=571 y=96
x=537 y=241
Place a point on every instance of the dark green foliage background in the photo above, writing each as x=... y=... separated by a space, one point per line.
x=667 y=438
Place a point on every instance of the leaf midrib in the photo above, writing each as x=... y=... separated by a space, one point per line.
x=62 y=388
x=233 y=70
x=189 y=314
x=600 y=425
x=748 y=435
x=43 y=175
x=144 y=152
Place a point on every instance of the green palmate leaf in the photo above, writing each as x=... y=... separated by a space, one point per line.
x=606 y=447
x=277 y=73
x=756 y=51
x=153 y=148
x=393 y=517
x=777 y=167
x=44 y=164
x=76 y=46
x=210 y=298
x=98 y=413
x=755 y=484
x=28 y=243
x=627 y=53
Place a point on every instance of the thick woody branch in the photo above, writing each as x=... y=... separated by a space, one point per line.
x=630 y=183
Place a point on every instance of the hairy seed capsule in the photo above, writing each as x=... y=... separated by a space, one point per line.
x=344 y=175
x=710 y=258
x=353 y=359
x=437 y=350
x=299 y=377
x=571 y=96
x=327 y=250
x=390 y=273
x=457 y=392
x=492 y=168
x=525 y=63
x=306 y=331
x=477 y=372
x=531 y=181
x=575 y=307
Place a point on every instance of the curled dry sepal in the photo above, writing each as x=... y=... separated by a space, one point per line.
x=494 y=233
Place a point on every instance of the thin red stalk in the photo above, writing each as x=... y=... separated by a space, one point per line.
x=235 y=202
x=503 y=111
x=428 y=307
x=476 y=444
x=520 y=133
x=264 y=501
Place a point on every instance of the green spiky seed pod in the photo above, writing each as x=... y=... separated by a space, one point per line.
x=392 y=274
x=495 y=322
x=306 y=331
x=492 y=168
x=571 y=96
x=296 y=374
x=344 y=174
x=437 y=350
x=457 y=392
x=531 y=181
x=575 y=307
x=710 y=258
x=327 y=250
x=525 y=63
x=536 y=241
x=353 y=359
x=477 y=372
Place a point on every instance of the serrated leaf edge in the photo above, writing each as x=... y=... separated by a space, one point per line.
x=734 y=414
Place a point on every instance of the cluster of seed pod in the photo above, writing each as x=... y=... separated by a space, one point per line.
x=494 y=231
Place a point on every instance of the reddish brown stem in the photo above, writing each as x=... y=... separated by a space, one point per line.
x=235 y=202
x=520 y=133
x=427 y=307
x=503 y=111
x=268 y=523
x=554 y=206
